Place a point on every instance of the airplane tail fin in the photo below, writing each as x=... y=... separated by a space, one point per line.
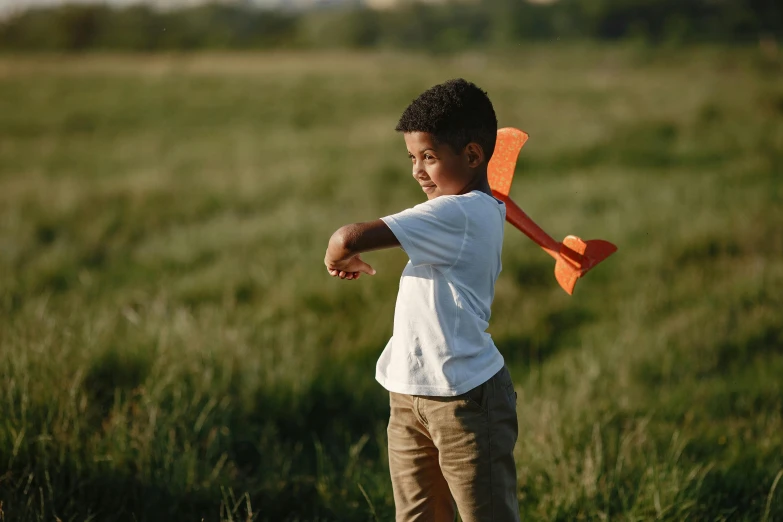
x=573 y=257
x=577 y=257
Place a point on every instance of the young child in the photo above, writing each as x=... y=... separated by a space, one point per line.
x=453 y=422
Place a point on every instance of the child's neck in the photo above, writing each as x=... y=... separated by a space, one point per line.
x=478 y=183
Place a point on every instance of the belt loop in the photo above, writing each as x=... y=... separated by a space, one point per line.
x=417 y=410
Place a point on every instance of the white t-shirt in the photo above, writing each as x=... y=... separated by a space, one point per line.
x=439 y=345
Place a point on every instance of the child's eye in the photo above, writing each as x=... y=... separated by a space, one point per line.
x=428 y=157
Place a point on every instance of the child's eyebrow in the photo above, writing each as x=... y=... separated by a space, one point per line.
x=422 y=151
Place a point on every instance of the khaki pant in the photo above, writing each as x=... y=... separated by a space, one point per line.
x=455 y=450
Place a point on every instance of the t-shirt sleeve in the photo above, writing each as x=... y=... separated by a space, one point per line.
x=432 y=233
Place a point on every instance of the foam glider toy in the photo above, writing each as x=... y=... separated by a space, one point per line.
x=573 y=257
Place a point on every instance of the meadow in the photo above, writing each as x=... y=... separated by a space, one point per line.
x=171 y=347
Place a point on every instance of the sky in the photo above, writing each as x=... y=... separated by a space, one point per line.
x=14 y=5
x=9 y=6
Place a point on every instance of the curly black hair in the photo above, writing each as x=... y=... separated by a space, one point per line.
x=456 y=112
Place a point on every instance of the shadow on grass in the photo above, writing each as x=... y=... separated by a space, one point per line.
x=113 y=375
x=555 y=331
x=341 y=404
x=298 y=455
x=77 y=492
x=742 y=490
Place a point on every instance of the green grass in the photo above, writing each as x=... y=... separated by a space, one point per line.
x=171 y=347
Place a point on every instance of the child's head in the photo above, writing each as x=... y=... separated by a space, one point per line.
x=450 y=131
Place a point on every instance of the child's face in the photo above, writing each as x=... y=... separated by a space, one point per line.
x=436 y=167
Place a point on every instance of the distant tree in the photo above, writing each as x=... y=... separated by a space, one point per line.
x=354 y=28
x=135 y=28
x=437 y=27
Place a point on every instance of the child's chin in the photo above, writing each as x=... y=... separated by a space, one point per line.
x=432 y=192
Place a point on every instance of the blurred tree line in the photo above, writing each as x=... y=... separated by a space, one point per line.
x=437 y=27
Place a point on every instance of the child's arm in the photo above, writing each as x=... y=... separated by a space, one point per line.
x=342 y=255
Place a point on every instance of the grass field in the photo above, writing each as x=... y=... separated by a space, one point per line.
x=171 y=347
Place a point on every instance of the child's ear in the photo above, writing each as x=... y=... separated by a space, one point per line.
x=475 y=154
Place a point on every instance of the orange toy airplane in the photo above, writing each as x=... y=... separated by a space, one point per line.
x=573 y=257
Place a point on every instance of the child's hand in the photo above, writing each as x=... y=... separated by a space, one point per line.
x=342 y=255
x=350 y=268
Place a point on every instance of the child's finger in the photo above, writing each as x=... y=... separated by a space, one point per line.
x=342 y=274
x=366 y=268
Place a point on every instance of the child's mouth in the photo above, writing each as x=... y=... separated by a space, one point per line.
x=428 y=188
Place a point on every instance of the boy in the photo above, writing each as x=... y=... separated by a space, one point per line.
x=453 y=422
